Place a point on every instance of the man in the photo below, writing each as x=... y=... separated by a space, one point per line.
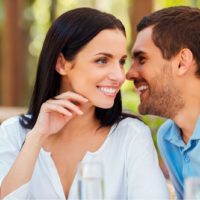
x=166 y=73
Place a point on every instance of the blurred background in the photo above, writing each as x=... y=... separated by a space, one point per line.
x=23 y=25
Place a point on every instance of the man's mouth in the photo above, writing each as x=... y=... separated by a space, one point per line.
x=142 y=88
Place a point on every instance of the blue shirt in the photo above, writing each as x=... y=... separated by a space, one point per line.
x=182 y=160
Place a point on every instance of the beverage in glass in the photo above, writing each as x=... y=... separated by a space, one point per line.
x=90 y=181
x=192 y=188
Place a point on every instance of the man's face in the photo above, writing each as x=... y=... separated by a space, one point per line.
x=153 y=78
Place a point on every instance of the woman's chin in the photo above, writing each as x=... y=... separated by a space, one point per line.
x=105 y=105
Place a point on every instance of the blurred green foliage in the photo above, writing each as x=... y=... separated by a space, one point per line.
x=167 y=3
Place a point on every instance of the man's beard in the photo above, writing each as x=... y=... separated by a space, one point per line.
x=163 y=99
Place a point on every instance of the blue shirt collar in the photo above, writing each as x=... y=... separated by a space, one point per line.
x=196 y=132
x=174 y=134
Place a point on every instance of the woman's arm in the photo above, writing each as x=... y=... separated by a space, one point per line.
x=22 y=169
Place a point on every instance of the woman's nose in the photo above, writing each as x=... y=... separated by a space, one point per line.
x=118 y=74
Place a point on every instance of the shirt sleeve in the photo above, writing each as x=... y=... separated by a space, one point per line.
x=11 y=139
x=145 y=179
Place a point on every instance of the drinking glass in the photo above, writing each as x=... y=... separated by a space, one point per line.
x=90 y=181
x=192 y=188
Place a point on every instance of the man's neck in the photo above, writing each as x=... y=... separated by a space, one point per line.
x=186 y=120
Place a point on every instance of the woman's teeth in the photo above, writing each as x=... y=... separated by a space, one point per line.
x=108 y=90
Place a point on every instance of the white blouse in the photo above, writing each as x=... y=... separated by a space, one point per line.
x=128 y=155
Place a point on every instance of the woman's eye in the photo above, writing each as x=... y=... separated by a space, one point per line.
x=101 y=61
x=122 y=62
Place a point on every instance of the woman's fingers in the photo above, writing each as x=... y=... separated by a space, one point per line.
x=72 y=96
x=66 y=104
x=56 y=112
x=49 y=107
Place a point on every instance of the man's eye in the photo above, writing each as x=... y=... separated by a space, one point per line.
x=141 y=60
x=101 y=61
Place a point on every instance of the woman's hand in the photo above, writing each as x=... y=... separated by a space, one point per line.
x=53 y=116
x=56 y=112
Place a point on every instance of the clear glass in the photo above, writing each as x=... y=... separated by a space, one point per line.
x=192 y=188
x=90 y=181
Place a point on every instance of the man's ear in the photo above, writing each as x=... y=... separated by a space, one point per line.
x=62 y=65
x=186 y=61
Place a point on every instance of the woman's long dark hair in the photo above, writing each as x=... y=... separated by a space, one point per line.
x=68 y=35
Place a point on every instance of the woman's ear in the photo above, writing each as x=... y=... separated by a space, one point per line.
x=186 y=61
x=62 y=65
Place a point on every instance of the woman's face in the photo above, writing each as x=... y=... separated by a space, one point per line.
x=97 y=72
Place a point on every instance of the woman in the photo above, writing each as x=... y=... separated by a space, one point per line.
x=76 y=115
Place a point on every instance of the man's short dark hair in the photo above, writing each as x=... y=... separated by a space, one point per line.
x=175 y=28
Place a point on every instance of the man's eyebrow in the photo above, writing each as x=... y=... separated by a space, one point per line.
x=137 y=54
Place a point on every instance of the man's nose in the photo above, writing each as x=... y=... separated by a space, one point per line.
x=132 y=73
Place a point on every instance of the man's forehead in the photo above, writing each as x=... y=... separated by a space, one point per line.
x=143 y=40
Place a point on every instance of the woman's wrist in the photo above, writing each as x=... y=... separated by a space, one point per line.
x=35 y=138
